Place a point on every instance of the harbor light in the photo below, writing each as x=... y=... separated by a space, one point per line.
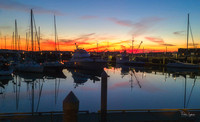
x=174 y=78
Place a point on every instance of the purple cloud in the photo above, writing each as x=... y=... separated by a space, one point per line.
x=158 y=40
x=168 y=45
x=126 y=23
x=155 y=39
x=193 y=44
x=145 y=25
x=17 y=6
x=88 y=17
x=138 y=28
x=180 y=33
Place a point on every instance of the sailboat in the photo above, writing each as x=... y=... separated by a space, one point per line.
x=130 y=61
x=5 y=68
x=30 y=65
x=53 y=66
x=178 y=64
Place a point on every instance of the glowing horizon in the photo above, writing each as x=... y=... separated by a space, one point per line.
x=110 y=25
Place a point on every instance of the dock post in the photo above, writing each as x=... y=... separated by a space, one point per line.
x=70 y=108
x=192 y=61
x=163 y=60
x=104 y=96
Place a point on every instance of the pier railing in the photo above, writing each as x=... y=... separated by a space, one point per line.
x=36 y=113
x=154 y=110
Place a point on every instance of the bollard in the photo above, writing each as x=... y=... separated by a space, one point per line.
x=104 y=96
x=163 y=60
x=70 y=108
x=191 y=59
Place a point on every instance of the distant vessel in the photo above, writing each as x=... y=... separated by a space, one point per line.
x=6 y=72
x=82 y=60
x=177 y=64
x=5 y=68
x=30 y=66
x=53 y=66
x=124 y=59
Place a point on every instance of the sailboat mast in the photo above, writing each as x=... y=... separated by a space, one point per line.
x=132 y=45
x=39 y=38
x=55 y=33
x=26 y=42
x=16 y=35
x=32 y=30
x=188 y=30
x=19 y=42
x=5 y=42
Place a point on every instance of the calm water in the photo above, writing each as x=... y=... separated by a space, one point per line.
x=128 y=88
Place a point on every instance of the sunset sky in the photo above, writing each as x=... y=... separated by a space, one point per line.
x=110 y=23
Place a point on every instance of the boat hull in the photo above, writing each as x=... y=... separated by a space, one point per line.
x=6 y=72
x=53 y=68
x=29 y=68
x=183 y=65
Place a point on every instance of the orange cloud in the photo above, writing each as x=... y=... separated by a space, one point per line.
x=155 y=39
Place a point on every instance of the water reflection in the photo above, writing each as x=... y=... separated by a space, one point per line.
x=3 y=82
x=128 y=88
x=82 y=76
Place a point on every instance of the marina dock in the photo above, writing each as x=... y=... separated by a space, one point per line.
x=144 y=116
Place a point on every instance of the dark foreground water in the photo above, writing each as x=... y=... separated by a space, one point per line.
x=128 y=88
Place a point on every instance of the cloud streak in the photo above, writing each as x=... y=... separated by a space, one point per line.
x=80 y=41
x=138 y=28
x=86 y=17
x=158 y=40
x=5 y=27
x=126 y=23
x=17 y=6
x=179 y=33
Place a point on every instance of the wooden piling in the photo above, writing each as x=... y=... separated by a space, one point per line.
x=70 y=108
x=104 y=96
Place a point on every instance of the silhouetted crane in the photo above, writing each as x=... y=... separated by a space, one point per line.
x=139 y=46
